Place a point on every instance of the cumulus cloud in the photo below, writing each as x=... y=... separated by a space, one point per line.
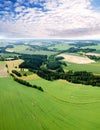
x=51 y=18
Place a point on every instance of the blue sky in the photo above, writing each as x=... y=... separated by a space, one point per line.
x=49 y=18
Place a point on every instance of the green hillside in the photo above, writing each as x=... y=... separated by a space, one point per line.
x=63 y=106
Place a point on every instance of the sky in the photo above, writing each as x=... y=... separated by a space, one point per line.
x=50 y=19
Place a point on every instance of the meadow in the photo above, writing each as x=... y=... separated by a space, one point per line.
x=60 y=46
x=92 y=67
x=28 y=50
x=97 y=47
x=62 y=106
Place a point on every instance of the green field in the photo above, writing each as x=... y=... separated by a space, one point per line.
x=19 y=48
x=97 y=47
x=92 y=67
x=62 y=46
x=63 y=106
x=26 y=50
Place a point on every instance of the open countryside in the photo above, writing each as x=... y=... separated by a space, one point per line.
x=61 y=106
x=35 y=94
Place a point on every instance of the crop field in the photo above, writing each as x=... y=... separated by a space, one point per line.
x=14 y=64
x=76 y=59
x=19 y=48
x=3 y=70
x=62 y=46
x=92 y=67
x=63 y=106
x=28 y=50
x=42 y=52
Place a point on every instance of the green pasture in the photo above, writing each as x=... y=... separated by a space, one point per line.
x=42 y=52
x=97 y=47
x=19 y=48
x=62 y=46
x=25 y=50
x=92 y=67
x=7 y=55
x=63 y=106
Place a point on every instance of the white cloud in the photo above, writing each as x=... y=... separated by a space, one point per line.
x=19 y=9
x=62 y=18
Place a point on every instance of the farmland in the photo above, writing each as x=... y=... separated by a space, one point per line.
x=76 y=59
x=62 y=106
x=3 y=70
x=25 y=49
x=92 y=67
x=14 y=64
x=60 y=46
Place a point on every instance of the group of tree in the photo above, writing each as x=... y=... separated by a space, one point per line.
x=80 y=77
x=77 y=49
x=48 y=74
x=16 y=73
x=83 y=44
x=3 y=49
x=32 y=61
x=27 y=84
x=93 y=57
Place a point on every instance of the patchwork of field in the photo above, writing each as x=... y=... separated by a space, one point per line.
x=28 y=50
x=76 y=59
x=3 y=70
x=63 y=106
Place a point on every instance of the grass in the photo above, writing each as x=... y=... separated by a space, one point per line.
x=19 y=48
x=42 y=52
x=92 y=67
x=97 y=47
x=62 y=46
x=7 y=55
x=25 y=50
x=63 y=106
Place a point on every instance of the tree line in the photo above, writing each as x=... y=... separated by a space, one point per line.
x=80 y=77
x=93 y=57
x=27 y=84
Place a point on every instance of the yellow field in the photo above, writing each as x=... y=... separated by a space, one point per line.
x=76 y=59
x=30 y=77
x=3 y=70
x=14 y=64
